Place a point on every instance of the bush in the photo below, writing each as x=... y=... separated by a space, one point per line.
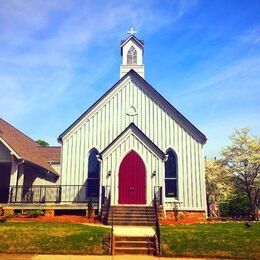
x=34 y=213
x=12 y=215
x=237 y=207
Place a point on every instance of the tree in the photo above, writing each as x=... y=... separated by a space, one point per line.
x=242 y=159
x=218 y=185
x=42 y=143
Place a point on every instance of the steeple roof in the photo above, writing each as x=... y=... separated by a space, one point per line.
x=123 y=42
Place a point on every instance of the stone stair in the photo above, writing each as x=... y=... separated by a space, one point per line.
x=132 y=215
x=134 y=245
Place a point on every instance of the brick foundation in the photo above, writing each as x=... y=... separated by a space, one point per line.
x=8 y=211
x=184 y=217
x=49 y=213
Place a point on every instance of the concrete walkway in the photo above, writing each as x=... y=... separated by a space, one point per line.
x=135 y=231
x=89 y=257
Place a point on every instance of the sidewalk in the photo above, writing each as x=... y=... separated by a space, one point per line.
x=88 y=257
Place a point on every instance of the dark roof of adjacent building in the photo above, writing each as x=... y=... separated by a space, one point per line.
x=51 y=153
x=180 y=119
x=27 y=149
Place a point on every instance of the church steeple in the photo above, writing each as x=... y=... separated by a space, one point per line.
x=132 y=50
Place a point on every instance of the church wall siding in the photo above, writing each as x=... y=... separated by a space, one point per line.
x=108 y=119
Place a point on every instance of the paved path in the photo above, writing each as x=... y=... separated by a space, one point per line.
x=134 y=231
x=89 y=257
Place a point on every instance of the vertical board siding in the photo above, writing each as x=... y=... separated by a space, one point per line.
x=102 y=126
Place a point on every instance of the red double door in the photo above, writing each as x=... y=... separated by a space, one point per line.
x=132 y=180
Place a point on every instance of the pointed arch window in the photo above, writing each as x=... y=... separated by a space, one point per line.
x=93 y=174
x=171 y=175
x=132 y=56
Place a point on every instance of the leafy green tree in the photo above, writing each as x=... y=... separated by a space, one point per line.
x=42 y=143
x=242 y=159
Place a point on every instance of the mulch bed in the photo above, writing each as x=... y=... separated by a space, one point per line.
x=55 y=219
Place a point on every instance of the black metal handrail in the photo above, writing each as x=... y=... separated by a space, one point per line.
x=41 y=194
x=112 y=233
x=105 y=203
x=106 y=211
x=157 y=201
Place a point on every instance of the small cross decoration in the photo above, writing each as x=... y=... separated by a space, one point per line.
x=131 y=31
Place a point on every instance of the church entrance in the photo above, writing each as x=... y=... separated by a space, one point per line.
x=132 y=180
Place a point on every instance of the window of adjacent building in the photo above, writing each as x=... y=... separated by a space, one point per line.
x=171 y=182
x=132 y=56
x=93 y=174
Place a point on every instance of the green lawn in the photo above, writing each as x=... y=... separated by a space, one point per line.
x=221 y=240
x=53 y=238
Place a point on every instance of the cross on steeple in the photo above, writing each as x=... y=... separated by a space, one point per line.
x=131 y=31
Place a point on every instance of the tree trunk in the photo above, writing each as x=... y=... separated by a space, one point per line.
x=208 y=206
x=252 y=205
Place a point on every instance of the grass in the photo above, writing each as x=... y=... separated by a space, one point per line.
x=53 y=238
x=220 y=240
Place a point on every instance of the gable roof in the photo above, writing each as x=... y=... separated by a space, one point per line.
x=123 y=42
x=27 y=149
x=139 y=42
x=137 y=132
x=180 y=119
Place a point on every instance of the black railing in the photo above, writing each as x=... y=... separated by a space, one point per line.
x=157 y=202
x=105 y=203
x=112 y=234
x=38 y=194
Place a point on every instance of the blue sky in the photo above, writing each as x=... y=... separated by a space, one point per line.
x=58 y=57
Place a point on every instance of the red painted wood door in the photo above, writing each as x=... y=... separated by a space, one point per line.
x=132 y=180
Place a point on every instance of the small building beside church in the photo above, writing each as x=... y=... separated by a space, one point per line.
x=132 y=143
x=26 y=168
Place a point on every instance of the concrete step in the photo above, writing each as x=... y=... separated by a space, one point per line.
x=133 y=238
x=142 y=244
x=134 y=250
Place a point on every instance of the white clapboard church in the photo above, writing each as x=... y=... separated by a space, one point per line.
x=132 y=146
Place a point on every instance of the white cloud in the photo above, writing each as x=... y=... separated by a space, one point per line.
x=43 y=43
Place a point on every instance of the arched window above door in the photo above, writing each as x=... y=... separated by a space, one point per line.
x=132 y=56
x=171 y=175
x=93 y=174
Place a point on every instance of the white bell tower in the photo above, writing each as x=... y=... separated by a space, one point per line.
x=132 y=50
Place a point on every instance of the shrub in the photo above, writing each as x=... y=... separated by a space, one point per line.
x=34 y=213
x=237 y=207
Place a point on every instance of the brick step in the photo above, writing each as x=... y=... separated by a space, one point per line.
x=132 y=219
x=130 y=207
x=135 y=218
x=133 y=238
x=132 y=216
x=134 y=250
x=132 y=211
x=127 y=213
x=127 y=223
x=133 y=208
x=142 y=244
x=132 y=222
